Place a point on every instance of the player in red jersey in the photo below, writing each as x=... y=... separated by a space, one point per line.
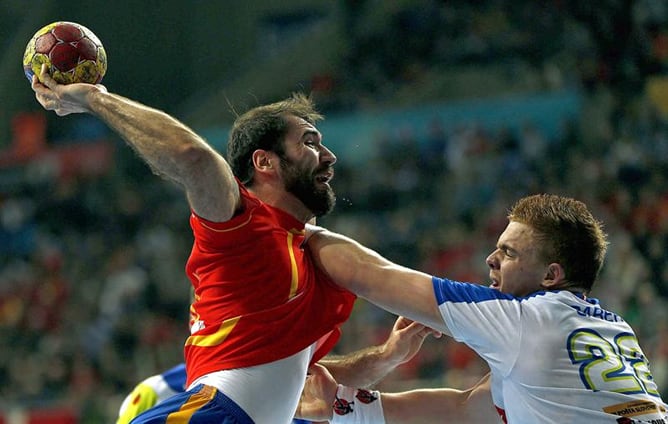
x=262 y=311
x=364 y=367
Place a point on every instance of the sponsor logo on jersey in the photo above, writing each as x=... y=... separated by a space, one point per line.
x=638 y=408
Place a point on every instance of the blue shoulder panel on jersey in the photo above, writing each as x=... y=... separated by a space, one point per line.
x=454 y=291
x=175 y=377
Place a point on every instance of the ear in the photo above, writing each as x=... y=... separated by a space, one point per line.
x=554 y=276
x=262 y=161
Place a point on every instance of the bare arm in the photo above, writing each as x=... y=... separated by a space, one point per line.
x=395 y=288
x=445 y=405
x=367 y=366
x=170 y=148
x=473 y=405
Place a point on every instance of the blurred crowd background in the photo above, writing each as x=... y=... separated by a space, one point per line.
x=442 y=113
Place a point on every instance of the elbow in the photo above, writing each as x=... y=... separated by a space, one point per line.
x=193 y=155
x=195 y=161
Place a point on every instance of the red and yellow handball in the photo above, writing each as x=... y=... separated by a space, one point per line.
x=71 y=51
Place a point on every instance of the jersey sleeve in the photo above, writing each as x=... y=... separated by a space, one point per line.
x=485 y=319
x=234 y=233
x=175 y=378
x=144 y=396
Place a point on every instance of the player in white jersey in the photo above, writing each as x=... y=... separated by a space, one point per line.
x=556 y=355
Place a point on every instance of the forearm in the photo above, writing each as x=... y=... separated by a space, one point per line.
x=173 y=151
x=443 y=405
x=324 y=399
x=362 y=368
x=410 y=407
x=170 y=148
x=425 y=406
x=473 y=405
x=162 y=141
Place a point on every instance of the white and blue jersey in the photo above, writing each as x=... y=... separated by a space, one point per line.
x=555 y=356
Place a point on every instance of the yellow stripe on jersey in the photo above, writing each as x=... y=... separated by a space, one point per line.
x=226 y=230
x=216 y=338
x=191 y=406
x=294 y=272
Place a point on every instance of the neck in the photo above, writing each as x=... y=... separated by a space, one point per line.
x=284 y=201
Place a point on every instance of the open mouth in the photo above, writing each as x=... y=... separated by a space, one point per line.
x=495 y=284
x=324 y=178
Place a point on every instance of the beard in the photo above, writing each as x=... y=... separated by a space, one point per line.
x=302 y=184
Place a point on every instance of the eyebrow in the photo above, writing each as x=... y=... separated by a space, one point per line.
x=505 y=247
x=311 y=132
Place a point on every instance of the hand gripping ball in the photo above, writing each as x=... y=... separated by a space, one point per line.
x=71 y=51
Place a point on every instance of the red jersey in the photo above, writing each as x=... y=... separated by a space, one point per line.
x=259 y=296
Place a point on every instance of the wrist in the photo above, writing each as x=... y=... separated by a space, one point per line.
x=95 y=97
x=357 y=406
x=387 y=356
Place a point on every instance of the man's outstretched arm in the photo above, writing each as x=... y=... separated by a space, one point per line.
x=444 y=405
x=397 y=289
x=324 y=400
x=170 y=148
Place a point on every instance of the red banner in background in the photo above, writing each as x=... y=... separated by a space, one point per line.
x=39 y=416
x=29 y=135
x=29 y=146
x=88 y=159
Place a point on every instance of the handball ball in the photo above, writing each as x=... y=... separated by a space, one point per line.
x=71 y=51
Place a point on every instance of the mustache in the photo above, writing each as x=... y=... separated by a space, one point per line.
x=324 y=169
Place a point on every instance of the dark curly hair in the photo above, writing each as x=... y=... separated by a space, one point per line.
x=264 y=127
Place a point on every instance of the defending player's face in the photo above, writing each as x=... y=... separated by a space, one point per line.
x=515 y=264
x=306 y=167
